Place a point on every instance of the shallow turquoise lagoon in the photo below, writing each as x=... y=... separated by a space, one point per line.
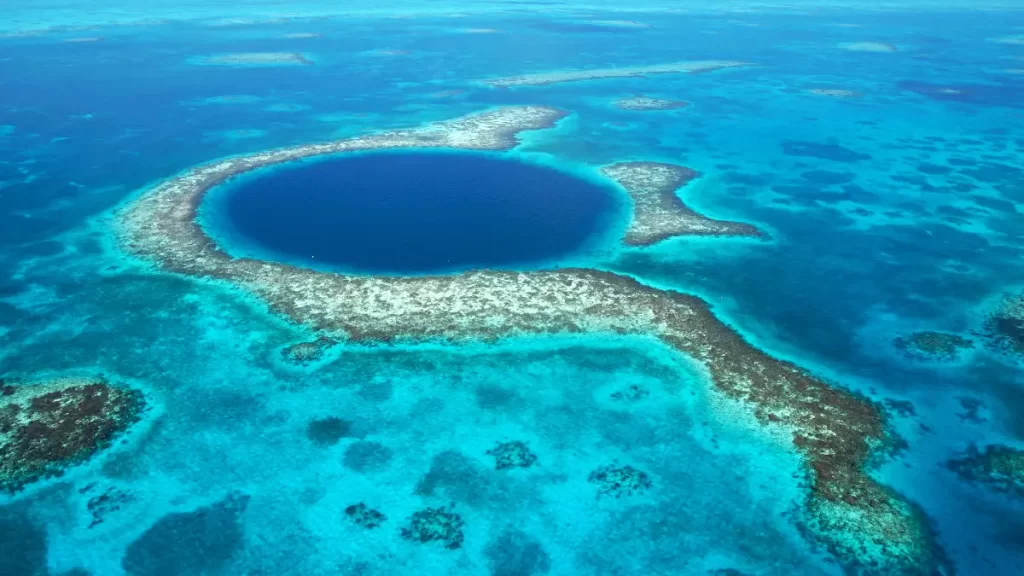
x=882 y=152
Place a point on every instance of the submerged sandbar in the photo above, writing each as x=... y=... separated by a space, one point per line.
x=647 y=103
x=255 y=59
x=864 y=523
x=540 y=79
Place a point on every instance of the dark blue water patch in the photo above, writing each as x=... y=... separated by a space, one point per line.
x=828 y=177
x=23 y=546
x=994 y=173
x=933 y=169
x=1009 y=95
x=199 y=542
x=996 y=204
x=415 y=212
x=833 y=152
x=748 y=179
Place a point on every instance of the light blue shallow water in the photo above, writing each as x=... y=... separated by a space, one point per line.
x=893 y=211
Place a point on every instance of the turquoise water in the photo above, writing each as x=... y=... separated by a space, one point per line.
x=889 y=212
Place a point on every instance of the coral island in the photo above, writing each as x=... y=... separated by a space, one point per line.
x=835 y=431
x=255 y=59
x=365 y=516
x=436 y=524
x=932 y=345
x=46 y=427
x=514 y=454
x=545 y=78
x=619 y=481
x=998 y=467
x=646 y=103
x=658 y=212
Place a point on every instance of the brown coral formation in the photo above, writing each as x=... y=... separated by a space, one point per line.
x=658 y=212
x=46 y=427
x=834 y=430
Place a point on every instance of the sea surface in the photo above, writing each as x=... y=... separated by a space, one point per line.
x=893 y=209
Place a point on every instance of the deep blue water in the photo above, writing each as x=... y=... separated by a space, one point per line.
x=416 y=212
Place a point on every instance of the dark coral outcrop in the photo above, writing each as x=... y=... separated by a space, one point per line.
x=515 y=454
x=1000 y=468
x=440 y=524
x=46 y=427
x=619 y=481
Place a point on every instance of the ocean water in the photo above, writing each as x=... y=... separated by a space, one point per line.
x=894 y=210
x=409 y=213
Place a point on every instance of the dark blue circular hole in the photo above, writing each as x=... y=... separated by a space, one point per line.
x=415 y=212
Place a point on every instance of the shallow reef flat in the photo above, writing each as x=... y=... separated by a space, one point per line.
x=544 y=78
x=880 y=47
x=835 y=92
x=48 y=426
x=658 y=213
x=646 y=103
x=255 y=59
x=867 y=525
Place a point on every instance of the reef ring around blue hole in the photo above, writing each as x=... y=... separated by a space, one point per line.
x=411 y=212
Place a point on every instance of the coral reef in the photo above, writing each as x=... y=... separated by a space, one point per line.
x=46 y=427
x=1000 y=468
x=105 y=502
x=436 y=524
x=365 y=516
x=932 y=345
x=1004 y=328
x=544 y=78
x=633 y=393
x=835 y=431
x=646 y=103
x=972 y=410
x=304 y=353
x=658 y=213
x=327 y=431
x=256 y=59
x=514 y=454
x=619 y=481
